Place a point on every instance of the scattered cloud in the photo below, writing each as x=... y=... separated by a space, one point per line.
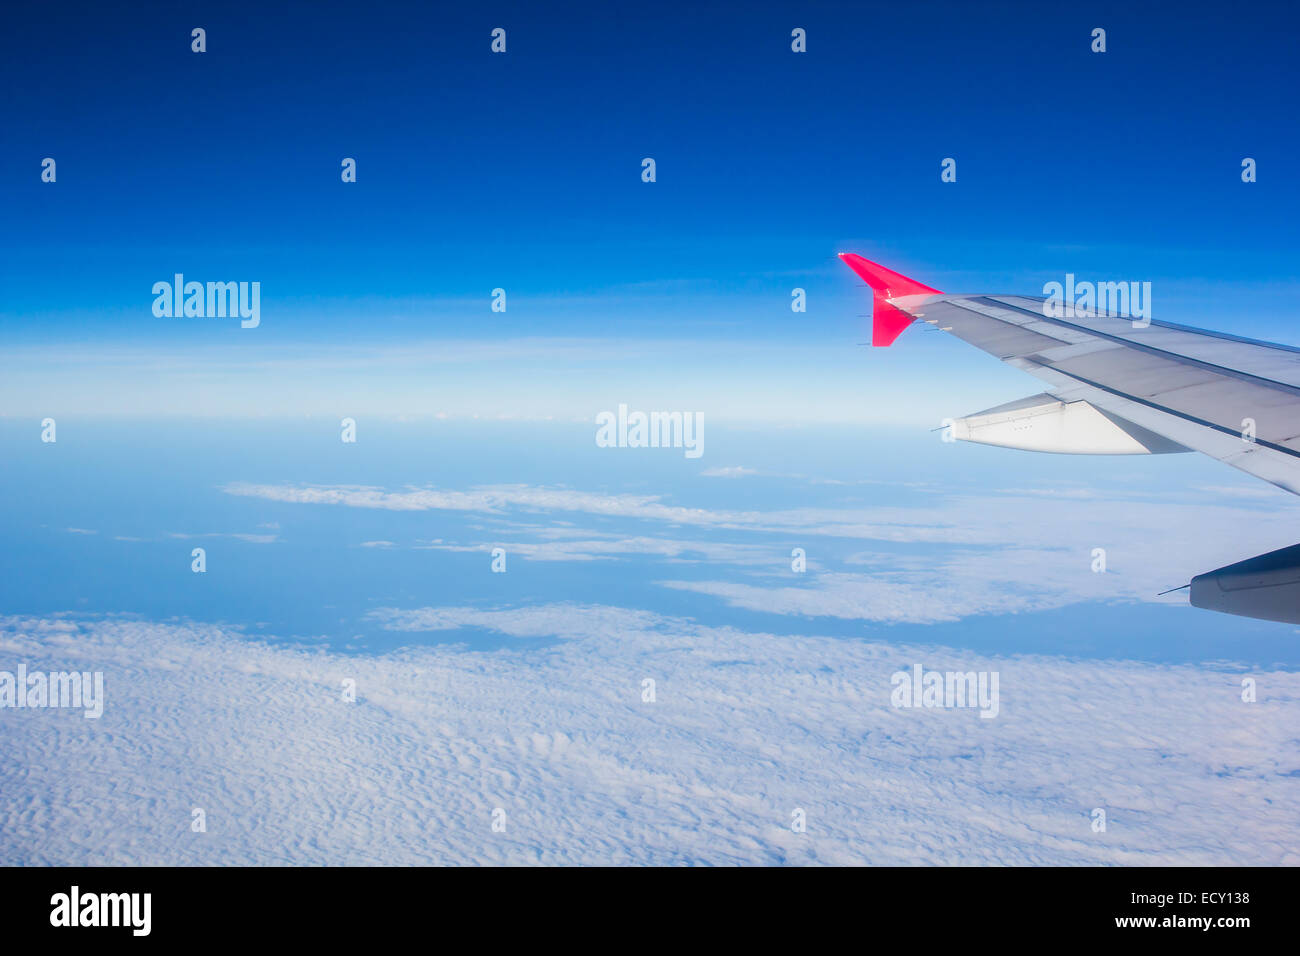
x=597 y=549
x=946 y=557
x=238 y=536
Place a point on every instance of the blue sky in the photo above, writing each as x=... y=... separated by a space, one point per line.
x=330 y=561
x=521 y=170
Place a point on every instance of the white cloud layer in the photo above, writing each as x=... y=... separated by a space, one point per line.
x=746 y=728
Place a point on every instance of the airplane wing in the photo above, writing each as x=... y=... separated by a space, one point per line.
x=1122 y=386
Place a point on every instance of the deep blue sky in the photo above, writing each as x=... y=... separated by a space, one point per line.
x=523 y=170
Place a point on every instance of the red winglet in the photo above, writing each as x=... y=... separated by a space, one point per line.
x=887 y=321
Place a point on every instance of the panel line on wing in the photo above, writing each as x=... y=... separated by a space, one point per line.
x=1151 y=349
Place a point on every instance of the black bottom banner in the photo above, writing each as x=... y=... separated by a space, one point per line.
x=335 y=905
